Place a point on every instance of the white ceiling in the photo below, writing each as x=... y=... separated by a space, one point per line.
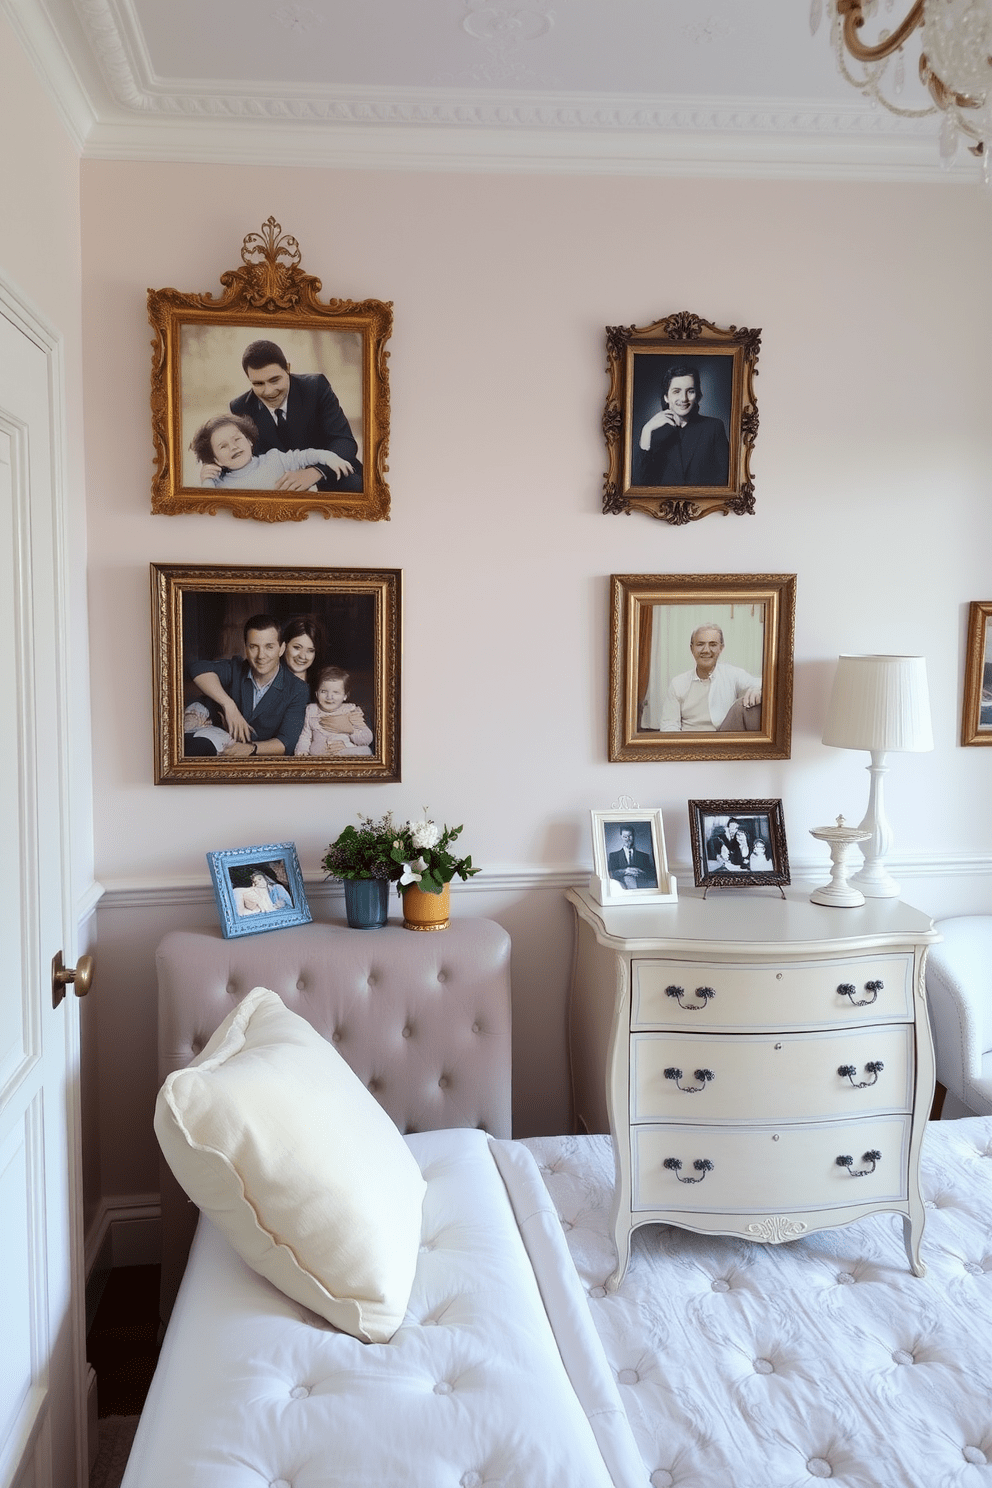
x=718 y=87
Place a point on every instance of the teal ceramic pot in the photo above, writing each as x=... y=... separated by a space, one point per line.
x=366 y=902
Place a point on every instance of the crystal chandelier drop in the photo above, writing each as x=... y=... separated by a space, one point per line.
x=955 y=64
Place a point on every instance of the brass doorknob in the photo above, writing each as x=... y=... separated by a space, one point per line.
x=80 y=977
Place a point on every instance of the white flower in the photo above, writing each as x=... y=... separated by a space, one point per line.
x=409 y=876
x=424 y=834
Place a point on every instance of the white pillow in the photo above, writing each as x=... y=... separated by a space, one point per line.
x=277 y=1140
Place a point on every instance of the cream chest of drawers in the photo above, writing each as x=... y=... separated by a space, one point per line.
x=764 y=1066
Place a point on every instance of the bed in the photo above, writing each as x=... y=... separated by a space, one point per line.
x=717 y=1362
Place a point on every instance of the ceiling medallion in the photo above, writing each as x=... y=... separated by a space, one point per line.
x=955 y=64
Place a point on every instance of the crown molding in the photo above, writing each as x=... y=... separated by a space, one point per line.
x=92 y=58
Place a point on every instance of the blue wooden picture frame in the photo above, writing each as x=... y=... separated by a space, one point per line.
x=258 y=888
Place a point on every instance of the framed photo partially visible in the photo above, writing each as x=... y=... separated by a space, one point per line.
x=258 y=888
x=629 y=857
x=976 y=716
x=323 y=643
x=269 y=400
x=701 y=666
x=738 y=844
x=681 y=418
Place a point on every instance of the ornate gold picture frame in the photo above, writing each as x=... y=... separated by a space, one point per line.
x=681 y=418
x=701 y=666
x=976 y=713
x=226 y=434
x=315 y=628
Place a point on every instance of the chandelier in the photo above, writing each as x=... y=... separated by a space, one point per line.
x=955 y=64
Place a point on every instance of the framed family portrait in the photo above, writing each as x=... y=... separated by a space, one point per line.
x=267 y=400
x=976 y=719
x=629 y=858
x=681 y=418
x=258 y=888
x=275 y=674
x=701 y=666
x=738 y=844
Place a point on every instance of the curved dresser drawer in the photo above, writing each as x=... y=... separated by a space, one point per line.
x=762 y=1169
x=756 y=1077
x=794 y=994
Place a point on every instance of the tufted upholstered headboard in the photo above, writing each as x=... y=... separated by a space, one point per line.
x=423 y=1019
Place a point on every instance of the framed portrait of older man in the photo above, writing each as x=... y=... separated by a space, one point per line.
x=268 y=400
x=701 y=666
x=681 y=418
x=275 y=674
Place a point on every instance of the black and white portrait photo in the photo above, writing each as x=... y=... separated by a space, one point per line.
x=630 y=855
x=681 y=419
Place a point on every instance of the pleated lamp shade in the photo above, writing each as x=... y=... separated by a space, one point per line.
x=879 y=703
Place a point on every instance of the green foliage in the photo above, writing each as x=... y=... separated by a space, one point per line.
x=365 y=851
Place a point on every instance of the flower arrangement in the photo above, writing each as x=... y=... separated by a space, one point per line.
x=418 y=852
x=423 y=851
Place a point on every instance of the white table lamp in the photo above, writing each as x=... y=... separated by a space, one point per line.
x=878 y=703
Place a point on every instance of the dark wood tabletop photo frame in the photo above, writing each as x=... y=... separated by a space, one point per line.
x=351 y=618
x=976 y=710
x=738 y=845
x=656 y=620
x=681 y=418
x=334 y=355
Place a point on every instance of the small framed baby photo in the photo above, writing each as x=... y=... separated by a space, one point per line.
x=738 y=844
x=275 y=674
x=258 y=888
x=629 y=858
x=268 y=400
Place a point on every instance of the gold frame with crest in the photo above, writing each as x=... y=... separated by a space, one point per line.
x=635 y=356
x=268 y=297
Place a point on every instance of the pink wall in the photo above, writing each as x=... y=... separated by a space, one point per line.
x=873 y=470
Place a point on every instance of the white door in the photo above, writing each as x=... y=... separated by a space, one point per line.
x=42 y=1415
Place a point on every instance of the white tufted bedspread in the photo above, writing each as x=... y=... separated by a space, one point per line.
x=738 y=1365
x=750 y=1366
x=254 y=1391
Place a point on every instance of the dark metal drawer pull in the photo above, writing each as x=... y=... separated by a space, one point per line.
x=701 y=1074
x=848 y=989
x=873 y=1068
x=867 y=1157
x=702 y=1166
x=691 y=1007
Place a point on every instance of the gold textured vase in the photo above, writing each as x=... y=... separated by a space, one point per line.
x=426 y=911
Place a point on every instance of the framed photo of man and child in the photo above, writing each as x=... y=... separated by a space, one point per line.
x=701 y=666
x=738 y=844
x=268 y=400
x=681 y=418
x=275 y=674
